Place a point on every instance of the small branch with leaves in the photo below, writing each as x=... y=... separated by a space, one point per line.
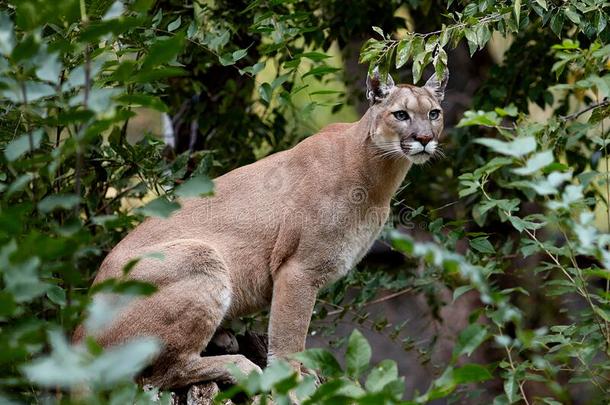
x=604 y=103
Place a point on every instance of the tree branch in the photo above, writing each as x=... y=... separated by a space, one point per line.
x=376 y=301
x=577 y=114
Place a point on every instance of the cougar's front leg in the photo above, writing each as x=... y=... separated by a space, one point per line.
x=294 y=296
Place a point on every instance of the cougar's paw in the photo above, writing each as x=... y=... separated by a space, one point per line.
x=245 y=366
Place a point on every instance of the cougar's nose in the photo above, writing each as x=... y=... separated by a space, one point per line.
x=423 y=139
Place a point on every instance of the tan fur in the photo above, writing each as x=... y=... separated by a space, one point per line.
x=273 y=233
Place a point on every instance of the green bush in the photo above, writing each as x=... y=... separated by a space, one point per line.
x=531 y=195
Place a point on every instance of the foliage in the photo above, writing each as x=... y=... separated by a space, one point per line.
x=529 y=192
x=382 y=384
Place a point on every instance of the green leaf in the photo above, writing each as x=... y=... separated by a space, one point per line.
x=57 y=295
x=601 y=21
x=19 y=183
x=163 y=51
x=487 y=119
x=605 y=315
x=572 y=14
x=321 y=92
x=22 y=279
x=557 y=23
x=419 y=63
x=320 y=359
x=335 y=389
x=403 y=52
x=542 y=4
x=26 y=48
x=483 y=35
x=358 y=354
x=239 y=54
x=458 y=292
x=50 y=69
x=226 y=59
x=447 y=382
x=159 y=207
x=275 y=372
x=36 y=91
x=510 y=110
x=473 y=41
x=20 y=145
x=379 y=31
x=319 y=71
x=511 y=388
x=144 y=100
x=517 y=8
x=265 y=92
x=382 y=374
x=401 y=242
x=254 y=69
x=278 y=81
x=315 y=56
x=70 y=367
x=471 y=373
x=535 y=163
x=158 y=74
x=192 y=29
x=174 y=25
x=482 y=245
x=33 y=91
x=54 y=201
x=195 y=187
x=518 y=147
x=521 y=224
x=101 y=100
x=7 y=36
x=469 y=339
x=115 y=11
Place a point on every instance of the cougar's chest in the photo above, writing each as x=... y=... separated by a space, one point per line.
x=358 y=237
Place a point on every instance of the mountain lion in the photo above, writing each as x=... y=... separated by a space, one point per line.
x=274 y=233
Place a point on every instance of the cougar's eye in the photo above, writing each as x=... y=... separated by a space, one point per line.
x=401 y=115
x=434 y=114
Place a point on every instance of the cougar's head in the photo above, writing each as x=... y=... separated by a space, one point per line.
x=407 y=121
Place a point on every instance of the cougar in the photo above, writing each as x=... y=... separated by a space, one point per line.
x=273 y=234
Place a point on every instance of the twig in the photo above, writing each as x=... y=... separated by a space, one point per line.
x=582 y=291
x=23 y=114
x=116 y=197
x=490 y=18
x=377 y=301
x=199 y=44
x=25 y=107
x=607 y=288
x=512 y=366
x=577 y=114
x=79 y=153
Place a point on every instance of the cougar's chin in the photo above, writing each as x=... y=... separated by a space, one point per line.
x=419 y=158
x=418 y=153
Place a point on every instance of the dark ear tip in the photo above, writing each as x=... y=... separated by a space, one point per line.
x=377 y=88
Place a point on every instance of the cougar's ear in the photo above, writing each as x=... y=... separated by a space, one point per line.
x=376 y=90
x=438 y=87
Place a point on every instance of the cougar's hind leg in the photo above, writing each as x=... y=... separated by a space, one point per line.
x=183 y=314
x=187 y=332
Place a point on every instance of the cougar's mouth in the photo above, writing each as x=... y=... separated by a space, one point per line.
x=418 y=153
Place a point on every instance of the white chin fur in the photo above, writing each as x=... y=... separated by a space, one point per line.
x=419 y=159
